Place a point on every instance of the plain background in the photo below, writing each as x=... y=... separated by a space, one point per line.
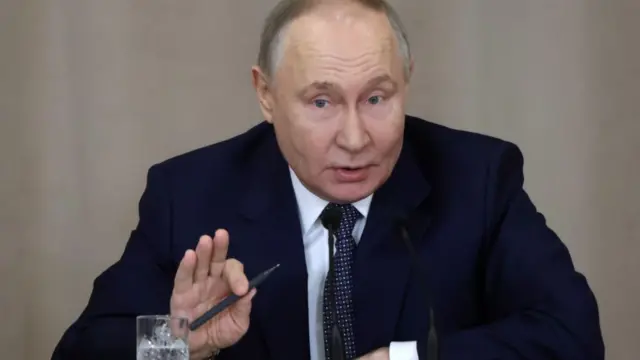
x=93 y=92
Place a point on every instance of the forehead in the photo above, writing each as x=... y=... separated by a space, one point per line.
x=339 y=44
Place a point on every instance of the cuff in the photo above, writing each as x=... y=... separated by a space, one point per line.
x=405 y=350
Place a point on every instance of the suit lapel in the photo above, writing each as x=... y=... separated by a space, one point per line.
x=271 y=234
x=382 y=264
x=272 y=226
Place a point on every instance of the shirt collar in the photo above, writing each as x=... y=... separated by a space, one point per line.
x=310 y=206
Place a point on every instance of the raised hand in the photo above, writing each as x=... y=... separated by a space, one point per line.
x=204 y=278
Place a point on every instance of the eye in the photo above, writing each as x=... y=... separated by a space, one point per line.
x=374 y=100
x=320 y=103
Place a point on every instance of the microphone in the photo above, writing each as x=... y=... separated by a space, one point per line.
x=432 y=336
x=331 y=221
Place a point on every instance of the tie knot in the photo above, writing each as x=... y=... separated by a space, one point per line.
x=349 y=216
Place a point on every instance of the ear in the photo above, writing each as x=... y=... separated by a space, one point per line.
x=263 y=91
x=411 y=63
x=410 y=75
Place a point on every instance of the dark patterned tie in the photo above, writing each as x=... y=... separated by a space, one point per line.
x=343 y=288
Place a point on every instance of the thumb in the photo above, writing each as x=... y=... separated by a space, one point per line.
x=242 y=309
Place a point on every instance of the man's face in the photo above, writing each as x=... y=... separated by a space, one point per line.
x=337 y=100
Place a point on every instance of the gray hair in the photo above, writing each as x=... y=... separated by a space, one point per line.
x=286 y=11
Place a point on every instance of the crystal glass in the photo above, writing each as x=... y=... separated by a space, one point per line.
x=162 y=337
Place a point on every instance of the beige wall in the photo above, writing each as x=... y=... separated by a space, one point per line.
x=93 y=92
x=12 y=171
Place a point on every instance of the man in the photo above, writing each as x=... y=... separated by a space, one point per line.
x=332 y=80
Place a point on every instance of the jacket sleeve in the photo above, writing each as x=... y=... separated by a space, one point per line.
x=140 y=282
x=537 y=306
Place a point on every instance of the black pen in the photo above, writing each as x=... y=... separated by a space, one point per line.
x=229 y=300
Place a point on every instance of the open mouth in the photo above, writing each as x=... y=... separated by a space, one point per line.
x=352 y=174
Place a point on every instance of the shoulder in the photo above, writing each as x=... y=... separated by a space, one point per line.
x=462 y=161
x=221 y=161
x=438 y=144
x=441 y=140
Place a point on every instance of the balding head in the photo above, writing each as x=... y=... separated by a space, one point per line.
x=337 y=95
x=276 y=28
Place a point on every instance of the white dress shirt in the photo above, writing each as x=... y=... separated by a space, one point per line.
x=316 y=252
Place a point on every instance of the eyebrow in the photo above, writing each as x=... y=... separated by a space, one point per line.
x=329 y=86
x=382 y=79
x=319 y=85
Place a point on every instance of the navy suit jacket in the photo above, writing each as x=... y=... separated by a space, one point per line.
x=501 y=283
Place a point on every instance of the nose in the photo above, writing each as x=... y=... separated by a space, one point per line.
x=353 y=136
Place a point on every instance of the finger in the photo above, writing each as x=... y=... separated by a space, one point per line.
x=203 y=252
x=242 y=309
x=245 y=301
x=184 y=275
x=220 y=247
x=250 y=295
x=233 y=274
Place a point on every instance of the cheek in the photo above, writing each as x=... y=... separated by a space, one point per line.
x=386 y=131
x=385 y=117
x=312 y=139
